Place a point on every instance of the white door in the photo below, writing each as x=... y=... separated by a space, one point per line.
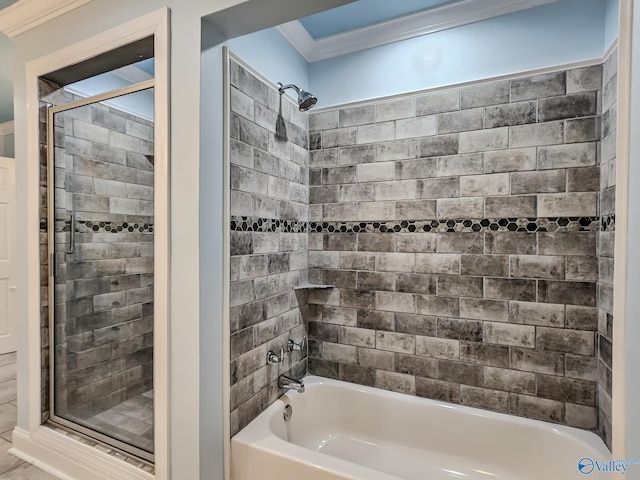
x=7 y=262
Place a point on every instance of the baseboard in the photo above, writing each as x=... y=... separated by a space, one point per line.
x=69 y=459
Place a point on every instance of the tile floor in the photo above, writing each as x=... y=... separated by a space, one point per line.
x=12 y=467
x=130 y=421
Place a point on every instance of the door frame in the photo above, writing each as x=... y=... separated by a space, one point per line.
x=12 y=253
x=51 y=250
x=56 y=452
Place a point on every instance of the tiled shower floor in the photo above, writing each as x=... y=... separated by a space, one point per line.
x=130 y=421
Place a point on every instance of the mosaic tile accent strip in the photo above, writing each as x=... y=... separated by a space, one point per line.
x=551 y=224
x=608 y=223
x=267 y=225
x=86 y=226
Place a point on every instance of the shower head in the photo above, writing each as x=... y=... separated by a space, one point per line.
x=306 y=100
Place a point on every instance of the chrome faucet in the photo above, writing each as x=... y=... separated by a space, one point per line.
x=296 y=347
x=289 y=383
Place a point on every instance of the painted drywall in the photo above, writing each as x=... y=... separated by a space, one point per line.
x=612 y=13
x=211 y=250
x=273 y=56
x=6 y=80
x=361 y=13
x=7 y=146
x=555 y=34
x=626 y=409
x=85 y=22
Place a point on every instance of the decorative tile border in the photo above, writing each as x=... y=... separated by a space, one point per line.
x=86 y=226
x=267 y=225
x=608 y=223
x=550 y=224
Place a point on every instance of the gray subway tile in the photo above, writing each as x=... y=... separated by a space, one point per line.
x=438 y=102
x=461 y=121
x=484 y=398
x=538 y=86
x=549 y=181
x=493 y=93
x=567 y=156
x=581 y=392
x=438 y=390
x=509 y=334
x=512 y=206
x=420 y=168
x=483 y=185
x=568 y=205
x=538 y=134
x=537 y=361
x=438 y=188
x=565 y=341
x=485 y=354
x=569 y=106
x=440 y=348
x=452 y=208
x=510 y=289
x=466 y=164
x=460 y=329
x=415 y=324
x=483 y=140
x=584 y=79
x=510 y=114
x=396 y=382
x=572 y=293
x=353 y=116
x=395 y=110
x=537 y=266
x=539 y=314
x=511 y=160
x=480 y=309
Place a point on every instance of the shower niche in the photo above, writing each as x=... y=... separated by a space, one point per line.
x=100 y=243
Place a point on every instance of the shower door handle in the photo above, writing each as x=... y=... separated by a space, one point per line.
x=72 y=234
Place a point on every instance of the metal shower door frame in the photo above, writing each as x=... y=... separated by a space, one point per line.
x=51 y=111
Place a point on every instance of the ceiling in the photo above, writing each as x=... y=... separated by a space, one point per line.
x=362 y=13
x=364 y=24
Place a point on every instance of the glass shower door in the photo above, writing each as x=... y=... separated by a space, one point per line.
x=102 y=172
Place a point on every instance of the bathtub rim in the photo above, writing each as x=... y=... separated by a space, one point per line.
x=259 y=434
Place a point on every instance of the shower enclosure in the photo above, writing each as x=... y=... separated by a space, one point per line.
x=101 y=276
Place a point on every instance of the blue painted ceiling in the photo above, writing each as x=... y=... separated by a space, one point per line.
x=362 y=13
x=6 y=3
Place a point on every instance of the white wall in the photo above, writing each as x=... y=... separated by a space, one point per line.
x=7 y=146
x=630 y=330
x=270 y=54
x=6 y=81
x=611 y=22
x=559 y=33
x=85 y=22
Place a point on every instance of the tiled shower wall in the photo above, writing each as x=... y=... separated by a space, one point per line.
x=269 y=208
x=460 y=229
x=104 y=290
x=606 y=241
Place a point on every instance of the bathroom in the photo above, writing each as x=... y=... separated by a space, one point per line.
x=440 y=225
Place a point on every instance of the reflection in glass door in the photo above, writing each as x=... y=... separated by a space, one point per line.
x=101 y=165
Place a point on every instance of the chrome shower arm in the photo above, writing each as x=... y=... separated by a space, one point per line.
x=282 y=88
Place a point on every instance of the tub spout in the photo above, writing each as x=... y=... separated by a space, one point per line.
x=289 y=383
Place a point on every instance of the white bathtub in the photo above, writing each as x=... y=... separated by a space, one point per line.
x=343 y=431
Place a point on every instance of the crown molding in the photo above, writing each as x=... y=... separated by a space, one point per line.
x=6 y=128
x=433 y=20
x=27 y=14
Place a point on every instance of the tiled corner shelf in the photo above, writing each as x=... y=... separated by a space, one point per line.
x=310 y=286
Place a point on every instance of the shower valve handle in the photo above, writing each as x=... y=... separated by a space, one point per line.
x=272 y=358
